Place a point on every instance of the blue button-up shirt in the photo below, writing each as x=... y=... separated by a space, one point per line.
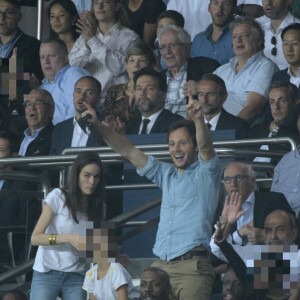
x=188 y=204
x=221 y=50
x=62 y=89
x=28 y=138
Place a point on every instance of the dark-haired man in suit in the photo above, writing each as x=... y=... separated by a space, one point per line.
x=212 y=94
x=150 y=92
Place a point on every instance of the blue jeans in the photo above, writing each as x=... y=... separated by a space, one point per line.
x=47 y=286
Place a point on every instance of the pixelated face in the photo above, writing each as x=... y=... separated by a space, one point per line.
x=10 y=17
x=105 y=10
x=291 y=47
x=135 y=63
x=281 y=104
x=274 y=268
x=238 y=179
x=278 y=230
x=89 y=179
x=149 y=97
x=51 y=60
x=245 y=43
x=174 y=53
x=60 y=19
x=5 y=149
x=85 y=90
x=38 y=111
x=221 y=11
x=152 y=286
x=210 y=98
x=182 y=150
x=276 y=9
x=233 y=288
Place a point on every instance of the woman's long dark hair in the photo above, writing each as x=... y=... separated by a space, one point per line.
x=70 y=7
x=94 y=205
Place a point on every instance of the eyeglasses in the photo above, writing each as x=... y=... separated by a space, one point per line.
x=237 y=178
x=37 y=103
x=274 y=43
x=8 y=14
x=171 y=46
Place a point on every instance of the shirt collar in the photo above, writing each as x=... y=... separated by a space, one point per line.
x=234 y=61
x=35 y=133
x=250 y=200
x=213 y=122
x=58 y=75
x=153 y=117
x=290 y=72
x=181 y=72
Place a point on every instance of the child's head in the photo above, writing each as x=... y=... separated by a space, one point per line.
x=155 y=283
x=101 y=243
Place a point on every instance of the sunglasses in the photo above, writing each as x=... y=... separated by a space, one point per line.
x=274 y=43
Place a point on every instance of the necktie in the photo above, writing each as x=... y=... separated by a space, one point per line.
x=145 y=124
x=208 y=125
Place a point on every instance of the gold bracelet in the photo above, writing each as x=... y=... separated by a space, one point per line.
x=52 y=239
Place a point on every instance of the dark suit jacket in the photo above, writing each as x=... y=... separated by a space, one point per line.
x=283 y=75
x=265 y=203
x=28 y=49
x=229 y=121
x=41 y=144
x=161 y=124
x=63 y=134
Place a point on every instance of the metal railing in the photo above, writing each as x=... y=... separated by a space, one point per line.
x=225 y=149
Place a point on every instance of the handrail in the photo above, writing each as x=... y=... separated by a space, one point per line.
x=108 y=156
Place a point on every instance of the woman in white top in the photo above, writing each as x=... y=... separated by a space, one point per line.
x=58 y=268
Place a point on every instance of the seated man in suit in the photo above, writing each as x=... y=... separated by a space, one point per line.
x=212 y=94
x=290 y=37
x=240 y=177
x=39 y=110
x=150 y=92
x=75 y=132
x=282 y=98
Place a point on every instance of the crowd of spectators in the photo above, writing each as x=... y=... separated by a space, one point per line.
x=187 y=69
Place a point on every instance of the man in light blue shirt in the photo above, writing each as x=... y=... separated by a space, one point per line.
x=190 y=187
x=215 y=41
x=60 y=77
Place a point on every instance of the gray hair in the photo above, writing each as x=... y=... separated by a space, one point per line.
x=255 y=27
x=182 y=34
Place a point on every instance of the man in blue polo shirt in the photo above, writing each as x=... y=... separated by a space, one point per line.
x=190 y=186
x=215 y=41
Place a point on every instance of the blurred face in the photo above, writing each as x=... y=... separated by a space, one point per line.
x=38 y=111
x=135 y=63
x=278 y=229
x=51 y=60
x=221 y=12
x=85 y=91
x=291 y=47
x=89 y=179
x=245 y=43
x=237 y=179
x=210 y=98
x=280 y=103
x=165 y=22
x=105 y=10
x=151 y=286
x=182 y=150
x=276 y=9
x=60 y=19
x=5 y=150
x=173 y=51
x=233 y=289
x=10 y=17
x=149 y=97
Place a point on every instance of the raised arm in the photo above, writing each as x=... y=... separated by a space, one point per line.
x=203 y=137
x=118 y=142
